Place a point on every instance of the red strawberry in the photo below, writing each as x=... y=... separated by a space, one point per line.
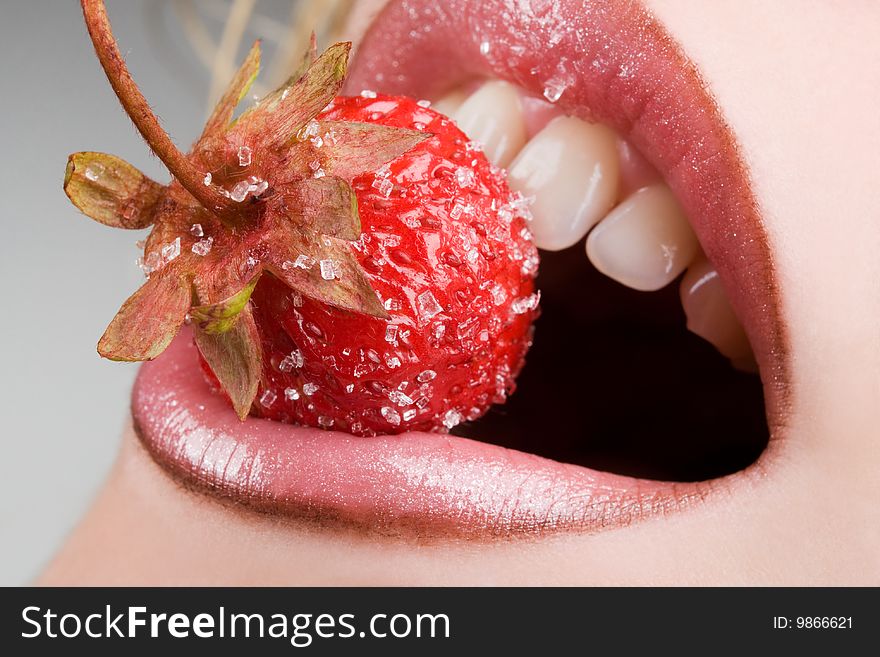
x=450 y=258
x=362 y=267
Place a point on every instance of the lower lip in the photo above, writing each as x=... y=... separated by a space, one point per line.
x=413 y=485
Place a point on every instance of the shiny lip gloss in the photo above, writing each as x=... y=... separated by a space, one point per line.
x=616 y=64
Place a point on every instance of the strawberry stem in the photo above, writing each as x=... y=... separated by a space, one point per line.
x=137 y=108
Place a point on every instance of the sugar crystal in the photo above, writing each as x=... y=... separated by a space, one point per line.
x=310 y=389
x=459 y=209
x=268 y=398
x=302 y=262
x=525 y=304
x=427 y=375
x=452 y=418
x=428 y=305
x=244 y=156
x=203 y=247
x=384 y=186
x=554 y=88
x=153 y=262
x=464 y=177
x=400 y=398
x=505 y=213
x=499 y=296
x=240 y=191
x=328 y=271
x=391 y=416
x=291 y=394
x=170 y=251
x=257 y=186
x=309 y=130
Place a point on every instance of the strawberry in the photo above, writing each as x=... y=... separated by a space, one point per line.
x=348 y=263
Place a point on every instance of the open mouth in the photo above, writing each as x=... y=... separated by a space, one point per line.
x=620 y=413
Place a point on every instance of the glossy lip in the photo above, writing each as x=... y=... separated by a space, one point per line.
x=631 y=75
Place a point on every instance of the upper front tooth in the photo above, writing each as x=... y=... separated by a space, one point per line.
x=645 y=242
x=571 y=169
x=493 y=116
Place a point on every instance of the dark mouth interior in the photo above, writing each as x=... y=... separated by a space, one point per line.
x=615 y=382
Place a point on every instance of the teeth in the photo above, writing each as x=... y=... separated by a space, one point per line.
x=571 y=169
x=450 y=103
x=493 y=116
x=710 y=315
x=645 y=242
x=575 y=171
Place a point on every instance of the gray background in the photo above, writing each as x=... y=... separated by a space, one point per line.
x=61 y=406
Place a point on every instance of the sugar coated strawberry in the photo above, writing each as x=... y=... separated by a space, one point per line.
x=445 y=247
x=352 y=263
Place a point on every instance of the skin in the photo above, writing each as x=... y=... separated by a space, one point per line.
x=806 y=119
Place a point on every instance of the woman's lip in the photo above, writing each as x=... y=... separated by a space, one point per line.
x=430 y=485
x=625 y=70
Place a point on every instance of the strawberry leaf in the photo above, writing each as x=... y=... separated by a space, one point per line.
x=235 y=358
x=281 y=114
x=110 y=190
x=327 y=271
x=353 y=148
x=149 y=319
x=308 y=58
x=219 y=317
x=238 y=87
x=328 y=205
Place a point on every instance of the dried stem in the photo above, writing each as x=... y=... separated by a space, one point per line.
x=145 y=120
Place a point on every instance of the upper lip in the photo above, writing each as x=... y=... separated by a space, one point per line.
x=624 y=71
